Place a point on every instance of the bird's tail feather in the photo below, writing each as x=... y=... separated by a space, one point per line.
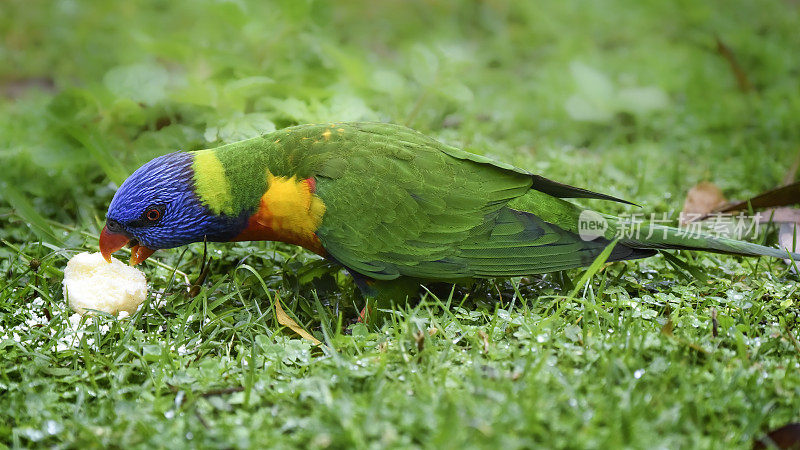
x=663 y=237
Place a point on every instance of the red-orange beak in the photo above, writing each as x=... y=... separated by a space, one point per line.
x=139 y=253
x=110 y=242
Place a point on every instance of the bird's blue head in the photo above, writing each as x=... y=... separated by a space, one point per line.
x=157 y=208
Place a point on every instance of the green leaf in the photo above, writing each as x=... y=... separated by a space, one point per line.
x=424 y=64
x=238 y=92
x=642 y=100
x=239 y=127
x=598 y=100
x=27 y=212
x=145 y=83
x=592 y=85
x=345 y=108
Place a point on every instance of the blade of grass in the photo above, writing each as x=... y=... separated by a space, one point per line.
x=25 y=210
x=110 y=165
x=594 y=268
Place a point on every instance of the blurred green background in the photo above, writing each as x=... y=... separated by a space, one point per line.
x=93 y=89
x=637 y=99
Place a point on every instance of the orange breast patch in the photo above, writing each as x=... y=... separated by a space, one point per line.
x=289 y=212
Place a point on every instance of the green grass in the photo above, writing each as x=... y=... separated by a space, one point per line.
x=645 y=355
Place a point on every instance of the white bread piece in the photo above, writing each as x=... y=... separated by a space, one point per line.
x=92 y=283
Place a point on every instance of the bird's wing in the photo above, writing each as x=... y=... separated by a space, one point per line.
x=400 y=203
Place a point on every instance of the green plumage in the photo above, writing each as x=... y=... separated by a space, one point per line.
x=399 y=203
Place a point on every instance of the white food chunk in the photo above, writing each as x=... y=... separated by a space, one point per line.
x=92 y=283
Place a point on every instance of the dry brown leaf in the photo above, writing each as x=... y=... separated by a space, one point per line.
x=702 y=199
x=667 y=328
x=782 y=196
x=789 y=237
x=287 y=321
x=741 y=77
x=706 y=199
x=780 y=215
x=419 y=338
x=785 y=437
x=714 y=323
x=485 y=338
x=789 y=231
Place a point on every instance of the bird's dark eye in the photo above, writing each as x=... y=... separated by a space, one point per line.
x=153 y=215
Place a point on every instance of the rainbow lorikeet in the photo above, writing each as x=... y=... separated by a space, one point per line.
x=382 y=200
